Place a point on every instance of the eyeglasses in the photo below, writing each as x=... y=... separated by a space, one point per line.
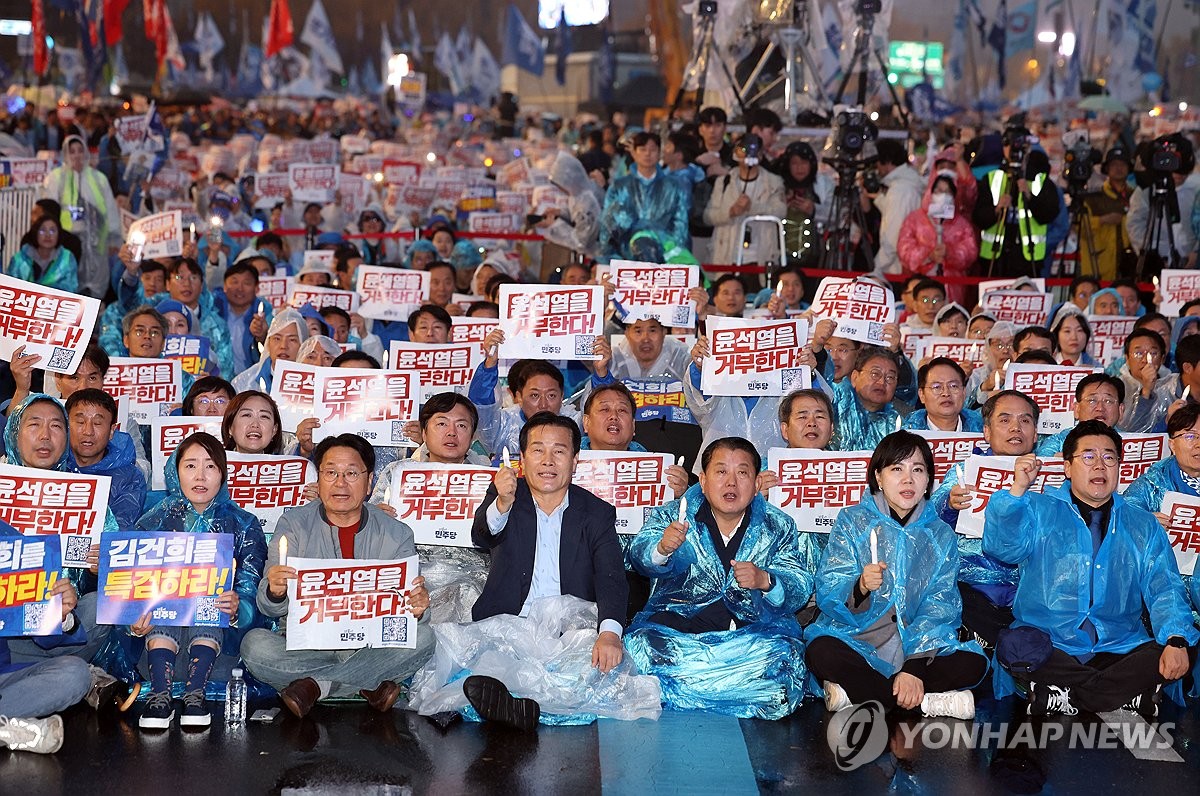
x=934 y=301
x=842 y=350
x=1188 y=437
x=950 y=387
x=999 y=346
x=185 y=276
x=142 y=331
x=1094 y=401
x=48 y=232
x=1091 y=458
x=212 y=401
x=885 y=376
x=351 y=476
x=1143 y=355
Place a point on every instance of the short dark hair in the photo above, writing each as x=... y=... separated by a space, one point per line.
x=1036 y=357
x=152 y=267
x=550 y=419
x=731 y=444
x=713 y=114
x=945 y=362
x=1100 y=378
x=98 y=357
x=989 y=407
x=891 y=151
x=203 y=385
x=869 y=352
x=1083 y=279
x=1058 y=325
x=615 y=386
x=334 y=312
x=241 y=267
x=764 y=118
x=721 y=280
x=94 y=397
x=443 y=402
x=268 y=239
x=524 y=369
x=1148 y=334
x=928 y=284
x=1187 y=351
x=642 y=138
x=1151 y=317
x=436 y=264
x=476 y=306
x=439 y=314
x=1032 y=331
x=352 y=441
x=785 y=406
x=495 y=281
x=188 y=263
x=1184 y=418
x=1183 y=311
x=211 y=446
x=895 y=448
x=275 y=446
x=1090 y=428
x=355 y=356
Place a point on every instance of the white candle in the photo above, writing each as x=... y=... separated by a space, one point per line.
x=682 y=509
x=192 y=230
x=779 y=289
x=1186 y=392
x=958 y=468
x=1155 y=281
x=679 y=462
x=505 y=458
x=874 y=547
x=283 y=551
x=898 y=421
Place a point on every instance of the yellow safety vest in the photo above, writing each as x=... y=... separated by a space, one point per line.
x=1033 y=234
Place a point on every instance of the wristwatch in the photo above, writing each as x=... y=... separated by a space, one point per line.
x=1177 y=641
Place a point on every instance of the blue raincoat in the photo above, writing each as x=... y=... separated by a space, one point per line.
x=500 y=426
x=127 y=493
x=919 y=420
x=83 y=580
x=856 y=428
x=62 y=272
x=756 y=671
x=919 y=585
x=1061 y=585
x=212 y=325
x=632 y=203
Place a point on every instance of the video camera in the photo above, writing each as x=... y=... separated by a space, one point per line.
x=1163 y=157
x=851 y=142
x=1019 y=141
x=1079 y=161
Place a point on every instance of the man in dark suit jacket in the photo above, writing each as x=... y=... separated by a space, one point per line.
x=548 y=537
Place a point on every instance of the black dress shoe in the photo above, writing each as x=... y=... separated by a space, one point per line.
x=492 y=700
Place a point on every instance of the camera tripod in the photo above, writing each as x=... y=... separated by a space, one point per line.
x=1164 y=207
x=837 y=245
x=860 y=62
x=695 y=74
x=793 y=39
x=1081 y=224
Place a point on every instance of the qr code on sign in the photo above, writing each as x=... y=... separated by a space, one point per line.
x=680 y=315
x=584 y=345
x=875 y=332
x=60 y=359
x=794 y=379
x=207 y=612
x=34 y=615
x=395 y=630
x=398 y=435
x=76 y=549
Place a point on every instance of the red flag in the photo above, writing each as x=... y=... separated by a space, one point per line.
x=279 y=33
x=150 y=18
x=114 y=29
x=41 y=59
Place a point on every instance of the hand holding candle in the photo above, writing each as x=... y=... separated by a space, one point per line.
x=504 y=457
x=283 y=551
x=874 y=546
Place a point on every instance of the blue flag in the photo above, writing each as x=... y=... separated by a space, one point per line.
x=1020 y=28
x=1140 y=15
x=606 y=68
x=565 y=46
x=522 y=46
x=998 y=39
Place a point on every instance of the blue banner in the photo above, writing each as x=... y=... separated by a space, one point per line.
x=29 y=568
x=660 y=399
x=522 y=46
x=194 y=353
x=174 y=577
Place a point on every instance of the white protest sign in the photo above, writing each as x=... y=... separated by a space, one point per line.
x=390 y=294
x=815 y=485
x=551 y=322
x=755 y=357
x=438 y=501
x=341 y=604
x=1108 y=336
x=634 y=483
x=374 y=404
x=265 y=485
x=949 y=448
x=154 y=386
x=470 y=330
x=859 y=307
x=1183 y=529
x=1021 y=308
x=292 y=391
x=1177 y=287
x=36 y=501
x=1052 y=388
x=312 y=182
x=1138 y=453
x=271 y=189
x=986 y=475
x=159 y=235
x=52 y=324
x=440 y=368
x=321 y=297
x=658 y=292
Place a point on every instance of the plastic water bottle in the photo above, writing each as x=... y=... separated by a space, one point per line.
x=235 y=700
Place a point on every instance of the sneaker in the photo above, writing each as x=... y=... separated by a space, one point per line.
x=158 y=712
x=194 y=713
x=44 y=736
x=1145 y=705
x=952 y=704
x=836 y=697
x=1051 y=699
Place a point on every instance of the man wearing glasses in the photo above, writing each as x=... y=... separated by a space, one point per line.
x=339 y=524
x=863 y=400
x=1091 y=565
x=941 y=386
x=928 y=298
x=1097 y=397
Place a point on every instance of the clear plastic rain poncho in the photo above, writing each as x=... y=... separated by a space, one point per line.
x=545 y=656
x=858 y=429
x=579 y=229
x=1135 y=571
x=920 y=585
x=755 y=671
x=720 y=416
x=258 y=376
x=974 y=567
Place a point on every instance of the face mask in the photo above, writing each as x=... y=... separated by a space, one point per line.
x=941 y=206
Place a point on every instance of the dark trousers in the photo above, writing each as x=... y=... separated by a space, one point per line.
x=980 y=615
x=1108 y=680
x=830 y=659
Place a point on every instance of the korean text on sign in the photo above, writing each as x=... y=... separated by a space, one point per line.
x=374 y=404
x=340 y=604
x=390 y=294
x=986 y=475
x=859 y=307
x=815 y=485
x=438 y=501
x=154 y=386
x=71 y=505
x=174 y=577
x=547 y=322
x=634 y=483
x=440 y=368
x=29 y=568
x=265 y=485
x=755 y=357
x=1183 y=529
x=646 y=290
x=1052 y=388
x=52 y=324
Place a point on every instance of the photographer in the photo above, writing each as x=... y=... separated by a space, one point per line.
x=1167 y=163
x=750 y=190
x=1015 y=205
x=901 y=192
x=1106 y=214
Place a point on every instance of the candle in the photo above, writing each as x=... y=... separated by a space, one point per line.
x=283 y=551
x=898 y=422
x=682 y=509
x=874 y=547
x=1186 y=392
x=1155 y=281
x=958 y=469
x=232 y=573
x=779 y=289
x=505 y=458
x=192 y=229
x=679 y=462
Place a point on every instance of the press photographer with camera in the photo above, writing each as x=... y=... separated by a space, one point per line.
x=1166 y=190
x=749 y=190
x=899 y=193
x=1106 y=209
x=1015 y=206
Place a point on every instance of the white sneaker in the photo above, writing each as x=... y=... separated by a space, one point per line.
x=835 y=697
x=44 y=736
x=953 y=704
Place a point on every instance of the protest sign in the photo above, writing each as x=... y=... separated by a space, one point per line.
x=755 y=357
x=1138 y=453
x=912 y=339
x=292 y=391
x=411 y=91
x=1021 y=308
x=374 y=404
x=634 y=483
x=551 y=322
x=1177 y=287
x=166 y=433
x=1108 y=336
x=1183 y=529
x=1052 y=388
x=390 y=294
x=265 y=485
x=29 y=569
x=271 y=189
x=154 y=386
x=319 y=258
x=400 y=172
x=815 y=485
x=992 y=285
x=159 y=235
x=41 y=502
x=859 y=307
x=275 y=290
x=949 y=448
x=53 y=324
x=966 y=352
x=23 y=172
x=174 y=577
x=660 y=399
x=651 y=291
x=493 y=223
x=311 y=182
x=339 y=604
x=354 y=192
x=440 y=368
x=438 y=501
x=470 y=330
x=321 y=297
x=194 y=353
x=986 y=475
x=407 y=199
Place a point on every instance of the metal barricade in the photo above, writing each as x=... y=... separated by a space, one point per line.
x=763 y=219
x=15 y=207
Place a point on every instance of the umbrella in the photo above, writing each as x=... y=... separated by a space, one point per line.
x=1103 y=103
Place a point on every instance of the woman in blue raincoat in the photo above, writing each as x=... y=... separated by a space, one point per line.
x=714 y=642
x=198 y=502
x=888 y=594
